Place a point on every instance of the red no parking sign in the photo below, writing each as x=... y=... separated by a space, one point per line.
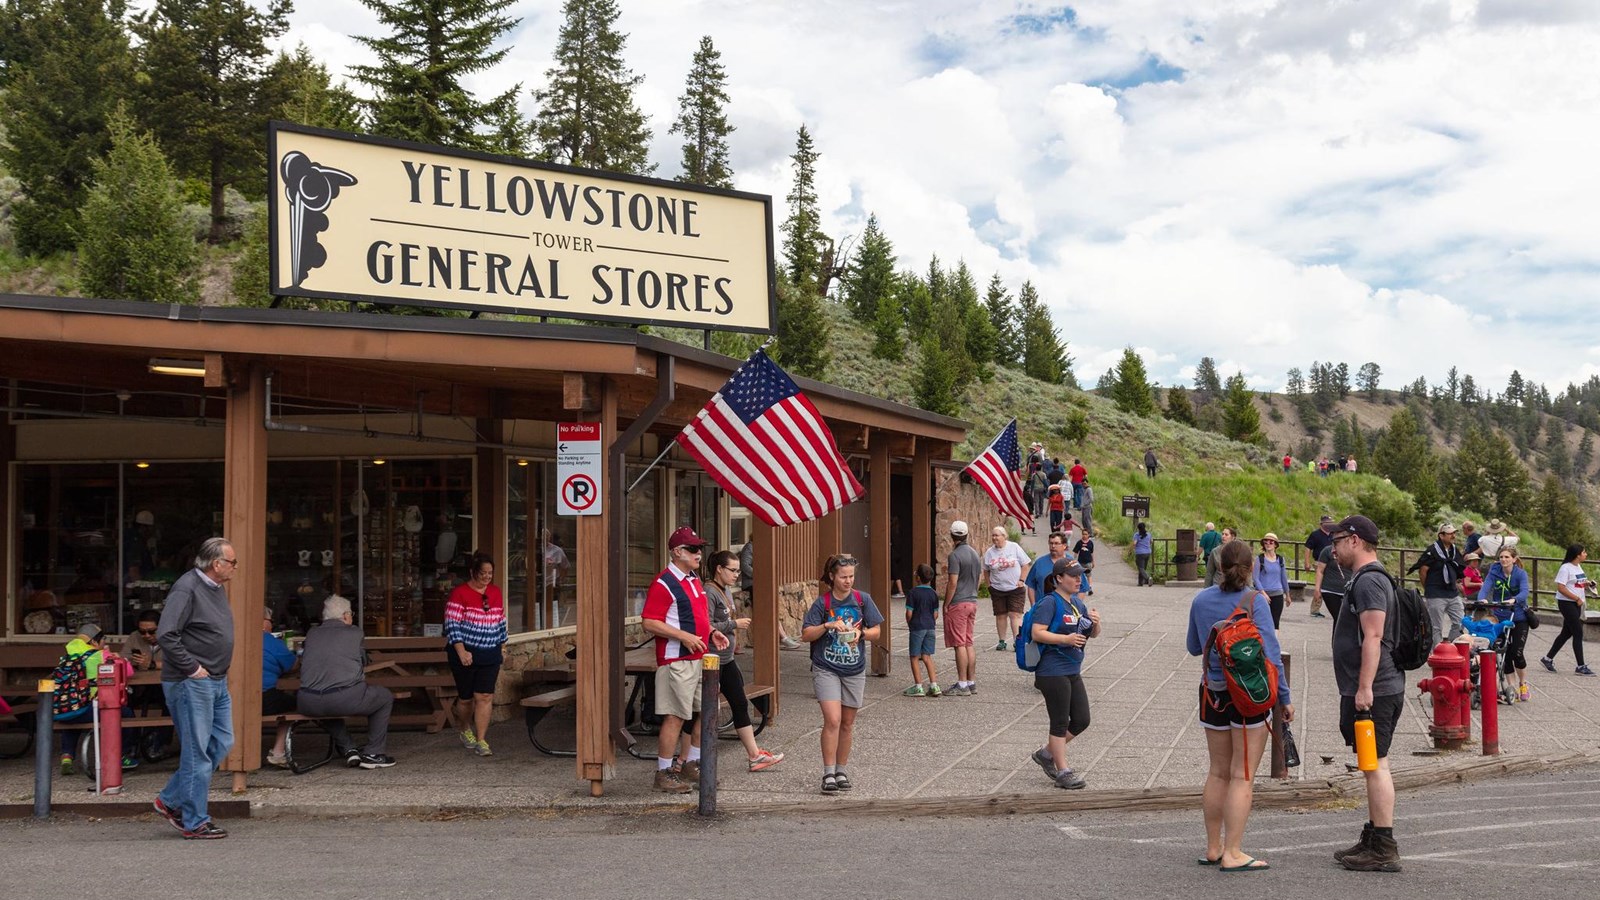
x=578 y=468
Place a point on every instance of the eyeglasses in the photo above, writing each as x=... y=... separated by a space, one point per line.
x=147 y=632
x=232 y=561
x=733 y=569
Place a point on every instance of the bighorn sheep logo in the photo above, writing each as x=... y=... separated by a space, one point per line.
x=310 y=189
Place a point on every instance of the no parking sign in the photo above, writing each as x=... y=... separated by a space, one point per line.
x=578 y=468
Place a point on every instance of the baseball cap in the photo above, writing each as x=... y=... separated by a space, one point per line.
x=1447 y=528
x=1327 y=520
x=91 y=632
x=1360 y=526
x=1066 y=565
x=685 y=537
x=958 y=528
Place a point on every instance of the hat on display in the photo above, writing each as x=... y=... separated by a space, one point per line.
x=685 y=537
x=1360 y=526
x=144 y=517
x=958 y=528
x=413 y=519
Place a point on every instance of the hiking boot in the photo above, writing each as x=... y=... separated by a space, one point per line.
x=690 y=771
x=933 y=689
x=765 y=760
x=1066 y=778
x=1046 y=761
x=1366 y=837
x=668 y=782
x=1548 y=663
x=1381 y=854
x=914 y=691
x=1583 y=670
x=1000 y=645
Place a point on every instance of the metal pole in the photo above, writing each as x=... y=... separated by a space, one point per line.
x=1489 y=701
x=710 y=685
x=44 y=745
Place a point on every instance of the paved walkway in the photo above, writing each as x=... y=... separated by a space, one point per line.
x=1144 y=734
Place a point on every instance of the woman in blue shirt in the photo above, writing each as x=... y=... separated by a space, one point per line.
x=1061 y=635
x=1233 y=741
x=1141 y=554
x=1272 y=576
x=1507 y=582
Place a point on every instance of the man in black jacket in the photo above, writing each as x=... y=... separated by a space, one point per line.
x=1439 y=569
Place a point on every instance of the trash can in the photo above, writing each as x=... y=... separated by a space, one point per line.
x=1186 y=555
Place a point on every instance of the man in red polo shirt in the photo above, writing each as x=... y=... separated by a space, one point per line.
x=1076 y=475
x=676 y=614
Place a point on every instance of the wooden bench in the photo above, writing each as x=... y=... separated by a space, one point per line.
x=293 y=720
x=537 y=706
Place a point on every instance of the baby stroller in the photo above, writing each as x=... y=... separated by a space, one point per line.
x=1491 y=632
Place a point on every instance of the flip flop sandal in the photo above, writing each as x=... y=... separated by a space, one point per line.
x=1208 y=861
x=1250 y=865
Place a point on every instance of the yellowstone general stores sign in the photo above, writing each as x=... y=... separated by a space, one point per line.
x=359 y=218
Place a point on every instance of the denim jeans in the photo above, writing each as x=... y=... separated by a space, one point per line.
x=202 y=713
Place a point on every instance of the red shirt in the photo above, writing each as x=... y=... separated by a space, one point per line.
x=662 y=605
x=1077 y=473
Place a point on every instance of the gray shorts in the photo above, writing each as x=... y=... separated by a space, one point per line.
x=844 y=689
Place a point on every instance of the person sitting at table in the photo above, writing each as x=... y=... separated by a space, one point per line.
x=333 y=684
x=277 y=660
x=88 y=647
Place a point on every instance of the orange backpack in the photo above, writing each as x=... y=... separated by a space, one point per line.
x=1251 y=677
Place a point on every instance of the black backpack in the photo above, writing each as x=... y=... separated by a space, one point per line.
x=1409 y=623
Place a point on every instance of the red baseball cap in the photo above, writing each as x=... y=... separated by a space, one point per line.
x=685 y=537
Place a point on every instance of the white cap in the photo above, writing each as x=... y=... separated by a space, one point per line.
x=958 y=528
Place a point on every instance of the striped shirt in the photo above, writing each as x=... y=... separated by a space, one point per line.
x=467 y=622
x=679 y=600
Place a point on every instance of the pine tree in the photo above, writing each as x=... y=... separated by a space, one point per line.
x=1558 y=515
x=1004 y=318
x=55 y=113
x=21 y=40
x=1341 y=380
x=1469 y=390
x=432 y=47
x=1295 y=388
x=1131 y=386
x=299 y=89
x=888 y=320
x=802 y=231
x=587 y=113
x=1402 y=453
x=1585 y=456
x=200 y=90
x=1044 y=355
x=1426 y=495
x=804 y=332
x=1452 y=384
x=703 y=120
x=937 y=383
x=1515 y=388
x=134 y=243
x=1207 y=383
x=1505 y=479
x=870 y=276
x=1556 y=458
x=1178 y=407
x=916 y=303
x=1240 y=421
x=1367 y=380
x=978 y=335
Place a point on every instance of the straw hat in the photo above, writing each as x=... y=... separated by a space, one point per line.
x=1496 y=526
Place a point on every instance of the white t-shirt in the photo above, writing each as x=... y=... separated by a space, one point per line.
x=1572 y=576
x=1006 y=566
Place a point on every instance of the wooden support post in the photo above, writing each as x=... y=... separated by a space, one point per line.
x=878 y=492
x=245 y=526
x=922 y=506
x=599 y=621
x=492 y=499
x=764 y=610
x=8 y=452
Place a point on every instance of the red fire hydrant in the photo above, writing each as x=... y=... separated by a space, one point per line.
x=1450 y=686
x=112 y=684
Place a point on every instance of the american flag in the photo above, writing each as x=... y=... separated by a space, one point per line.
x=995 y=470
x=763 y=441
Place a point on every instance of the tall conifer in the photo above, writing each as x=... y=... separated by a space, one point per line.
x=703 y=120
x=1003 y=317
x=871 y=273
x=587 y=113
x=802 y=230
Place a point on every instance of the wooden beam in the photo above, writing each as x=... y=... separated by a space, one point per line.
x=10 y=548
x=579 y=392
x=878 y=492
x=599 y=632
x=244 y=515
x=491 y=506
x=215 y=377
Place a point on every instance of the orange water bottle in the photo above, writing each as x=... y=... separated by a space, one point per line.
x=1366 y=743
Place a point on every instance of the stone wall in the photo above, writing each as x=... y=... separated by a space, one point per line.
x=541 y=650
x=968 y=503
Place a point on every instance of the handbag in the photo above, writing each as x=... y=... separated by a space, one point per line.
x=1291 y=753
x=1532 y=619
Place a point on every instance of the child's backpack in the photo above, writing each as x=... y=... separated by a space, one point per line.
x=73 y=683
x=1251 y=677
x=1027 y=649
x=1410 y=625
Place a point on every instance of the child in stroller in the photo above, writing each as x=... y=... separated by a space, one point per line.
x=1489 y=627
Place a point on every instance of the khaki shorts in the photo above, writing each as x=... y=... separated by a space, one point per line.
x=678 y=689
x=1010 y=601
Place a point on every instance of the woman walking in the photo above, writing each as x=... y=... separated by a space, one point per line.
x=1084 y=550
x=1234 y=741
x=1142 y=544
x=1508 y=583
x=1061 y=638
x=1272 y=576
x=1571 y=585
x=719 y=591
x=835 y=625
x=475 y=634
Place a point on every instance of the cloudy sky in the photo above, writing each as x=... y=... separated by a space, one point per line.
x=1268 y=182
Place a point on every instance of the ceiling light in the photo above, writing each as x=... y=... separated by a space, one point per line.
x=141 y=464
x=379 y=461
x=192 y=368
x=522 y=461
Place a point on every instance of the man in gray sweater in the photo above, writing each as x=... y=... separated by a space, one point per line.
x=196 y=639
x=333 y=684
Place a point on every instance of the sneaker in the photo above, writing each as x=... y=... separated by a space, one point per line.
x=377 y=761
x=764 y=760
x=972 y=687
x=1381 y=854
x=1317 y=615
x=668 y=782
x=483 y=749
x=1522 y=693
x=352 y=758
x=830 y=784
x=1000 y=645
x=468 y=739
x=897 y=595
x=1046 y=761
x=690 y=771
x=1548 y=663
x=1070 y=780
x=208 y=831
x=66 y=764
x=170 y=814
x=933 y=689
x=1583 y=670
x=129 y=763
x=788 y=643
x=842 y=781
x=958 y=691
x=280 y=760
x=914 y=691
x=1091 y=593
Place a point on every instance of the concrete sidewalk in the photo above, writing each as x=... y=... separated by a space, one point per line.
x=1144 y=734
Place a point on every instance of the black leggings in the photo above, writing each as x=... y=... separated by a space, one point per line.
x=1067 y=702
x=733 y=688
x=1275 y=603
x=1571 y=627
x=1514 y=657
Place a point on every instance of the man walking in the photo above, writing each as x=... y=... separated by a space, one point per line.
x=196 y=639
x=1370 y=684
x=1316 y=542
x=1149 y=462
x=1044 y=566
x=1439 y=570
x=676 y=614
x=1004 y=563
x=961 y=608
x=1076 y=475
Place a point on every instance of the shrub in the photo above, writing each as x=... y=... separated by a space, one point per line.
x=1393 y=513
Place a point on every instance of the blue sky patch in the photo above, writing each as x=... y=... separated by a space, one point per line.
x=1152 y=69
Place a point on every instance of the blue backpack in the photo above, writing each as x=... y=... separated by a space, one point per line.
x=1028 y=651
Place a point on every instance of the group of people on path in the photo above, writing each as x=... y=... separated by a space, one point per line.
x=1054 y=489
